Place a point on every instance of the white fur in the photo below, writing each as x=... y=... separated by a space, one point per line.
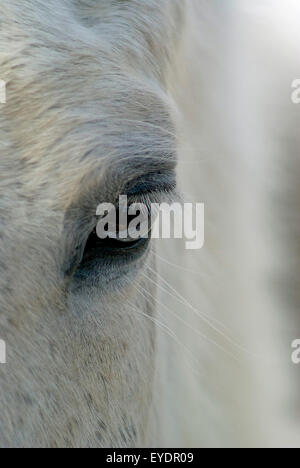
x=86 y=82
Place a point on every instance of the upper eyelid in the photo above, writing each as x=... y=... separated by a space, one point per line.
x=152 y=182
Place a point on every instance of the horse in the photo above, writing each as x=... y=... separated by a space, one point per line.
x=142 y=343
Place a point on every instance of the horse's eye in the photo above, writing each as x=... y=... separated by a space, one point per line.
x=110 y=244
x=129 y=228
x=98 y=252
x=125 y=230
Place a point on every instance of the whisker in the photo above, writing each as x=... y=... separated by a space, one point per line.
x=168 y=331
x=209 y=318
x=198 y=332
x=202 y=316
x=187 y=270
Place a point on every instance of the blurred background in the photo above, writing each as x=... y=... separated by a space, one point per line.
x=233 y=308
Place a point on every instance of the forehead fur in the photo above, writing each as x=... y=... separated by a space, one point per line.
x=85 y=84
